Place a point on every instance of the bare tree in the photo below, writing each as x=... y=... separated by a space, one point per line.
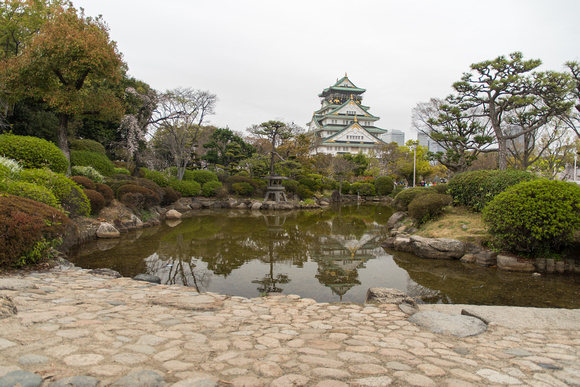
x=178 y=120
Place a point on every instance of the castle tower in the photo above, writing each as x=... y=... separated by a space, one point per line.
x=343 y=124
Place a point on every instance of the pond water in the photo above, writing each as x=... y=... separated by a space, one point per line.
x=330 y=255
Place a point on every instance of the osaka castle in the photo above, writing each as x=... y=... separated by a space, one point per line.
x=343 y=124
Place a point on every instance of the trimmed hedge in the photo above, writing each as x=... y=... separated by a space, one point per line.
x=84 y=182
x=384 y=185
x=441 y=188
x=106 y=191
x=211 y=188
x=406 y=196
x=242 y=188
x=33 y=192
x=87 y=145
x=185 y=187
x=138 y=197
x=427 y=207
x=69 y=194
x=33 y=152
x=28 y=230
x=536 y=218
x=98 y=161
x=160 y=178
x=477 y=188
x=96 y=199
x=202 y=176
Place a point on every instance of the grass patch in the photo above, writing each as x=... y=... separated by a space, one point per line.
x=456 y=223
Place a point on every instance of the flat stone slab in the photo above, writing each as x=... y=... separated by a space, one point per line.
x=16 y=284
x=456 y=325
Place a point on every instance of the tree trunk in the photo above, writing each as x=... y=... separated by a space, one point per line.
x=502 y=153
x=62 y=137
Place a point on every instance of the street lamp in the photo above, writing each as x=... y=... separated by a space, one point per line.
x=414 y=162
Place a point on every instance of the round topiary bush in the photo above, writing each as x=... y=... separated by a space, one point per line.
x=87 y=145
x=477 y=188
x=384 y=185
x=536 y=218
x=406 y=196
x=98 y=161
x=33 y=192
x=137 y=197
x=441 y=188
x=170 y=196
x=150 y=184
x=429 y=206
x=242 y=188
x=33 y=152
x=185 y=188
x=28 y=230
x=160 y=178
x=211 y=188
x=89 y=172
x=202 y=176
x=366 y=189
x=96 y=199
x=84 y=182
x=69 y=194
x=106 y=191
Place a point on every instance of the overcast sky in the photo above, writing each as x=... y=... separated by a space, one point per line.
x=269 y=59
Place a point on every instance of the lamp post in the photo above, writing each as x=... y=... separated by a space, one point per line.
x=414 y=162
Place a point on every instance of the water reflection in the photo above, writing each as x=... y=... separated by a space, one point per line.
x=329 y=255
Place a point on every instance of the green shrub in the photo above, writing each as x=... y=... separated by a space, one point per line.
x=309 y=183
x=290 y=185
x=367 y=189
x=170 y=196
x=345 y=188
x=384 y=185
x=96 y=199
x=398 y=188
x=150 y=184
x=84 y=182
x=256 y=184
x=441 y=188
x=185 y=187
x=69 y=194
x=33 y=152
x=536 y=217
x=138 y=197
x=28 y=230
x=87 y=145
x=33 y=192
x=476 y=189
x=406 y=196
x=89 y=172
x=429 y=206
x=203 y=176
x=160 y=178
x=9 y=169
x=242 y=189
x=304 y=192
x=92 y=159
x=211 y=188
x=106 y=191
x=120 y=176
x=121 y=171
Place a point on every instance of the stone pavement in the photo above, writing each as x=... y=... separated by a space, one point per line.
x=73 y=323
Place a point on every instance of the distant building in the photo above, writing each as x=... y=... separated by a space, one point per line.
x=394 y=135
x=433 y=146
x=342 y=124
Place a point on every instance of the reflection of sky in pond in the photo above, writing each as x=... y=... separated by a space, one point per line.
x=329 y=255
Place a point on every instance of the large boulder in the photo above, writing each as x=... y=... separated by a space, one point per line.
x=512 y=264
x=486 y=258
x=437 y=248
x=173 y=214
x=456 y=325
x=389 y=296
x=403 y=244
x=395 y=218
x=107 y=231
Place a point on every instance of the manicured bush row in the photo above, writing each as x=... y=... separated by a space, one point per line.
x=33 y=152
x=406 y=196
x=98 y=161
x=28 y=229
x=476 y=189
x=536 y=218
x=429 y=206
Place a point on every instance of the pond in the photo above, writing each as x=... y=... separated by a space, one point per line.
x=330 y=255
